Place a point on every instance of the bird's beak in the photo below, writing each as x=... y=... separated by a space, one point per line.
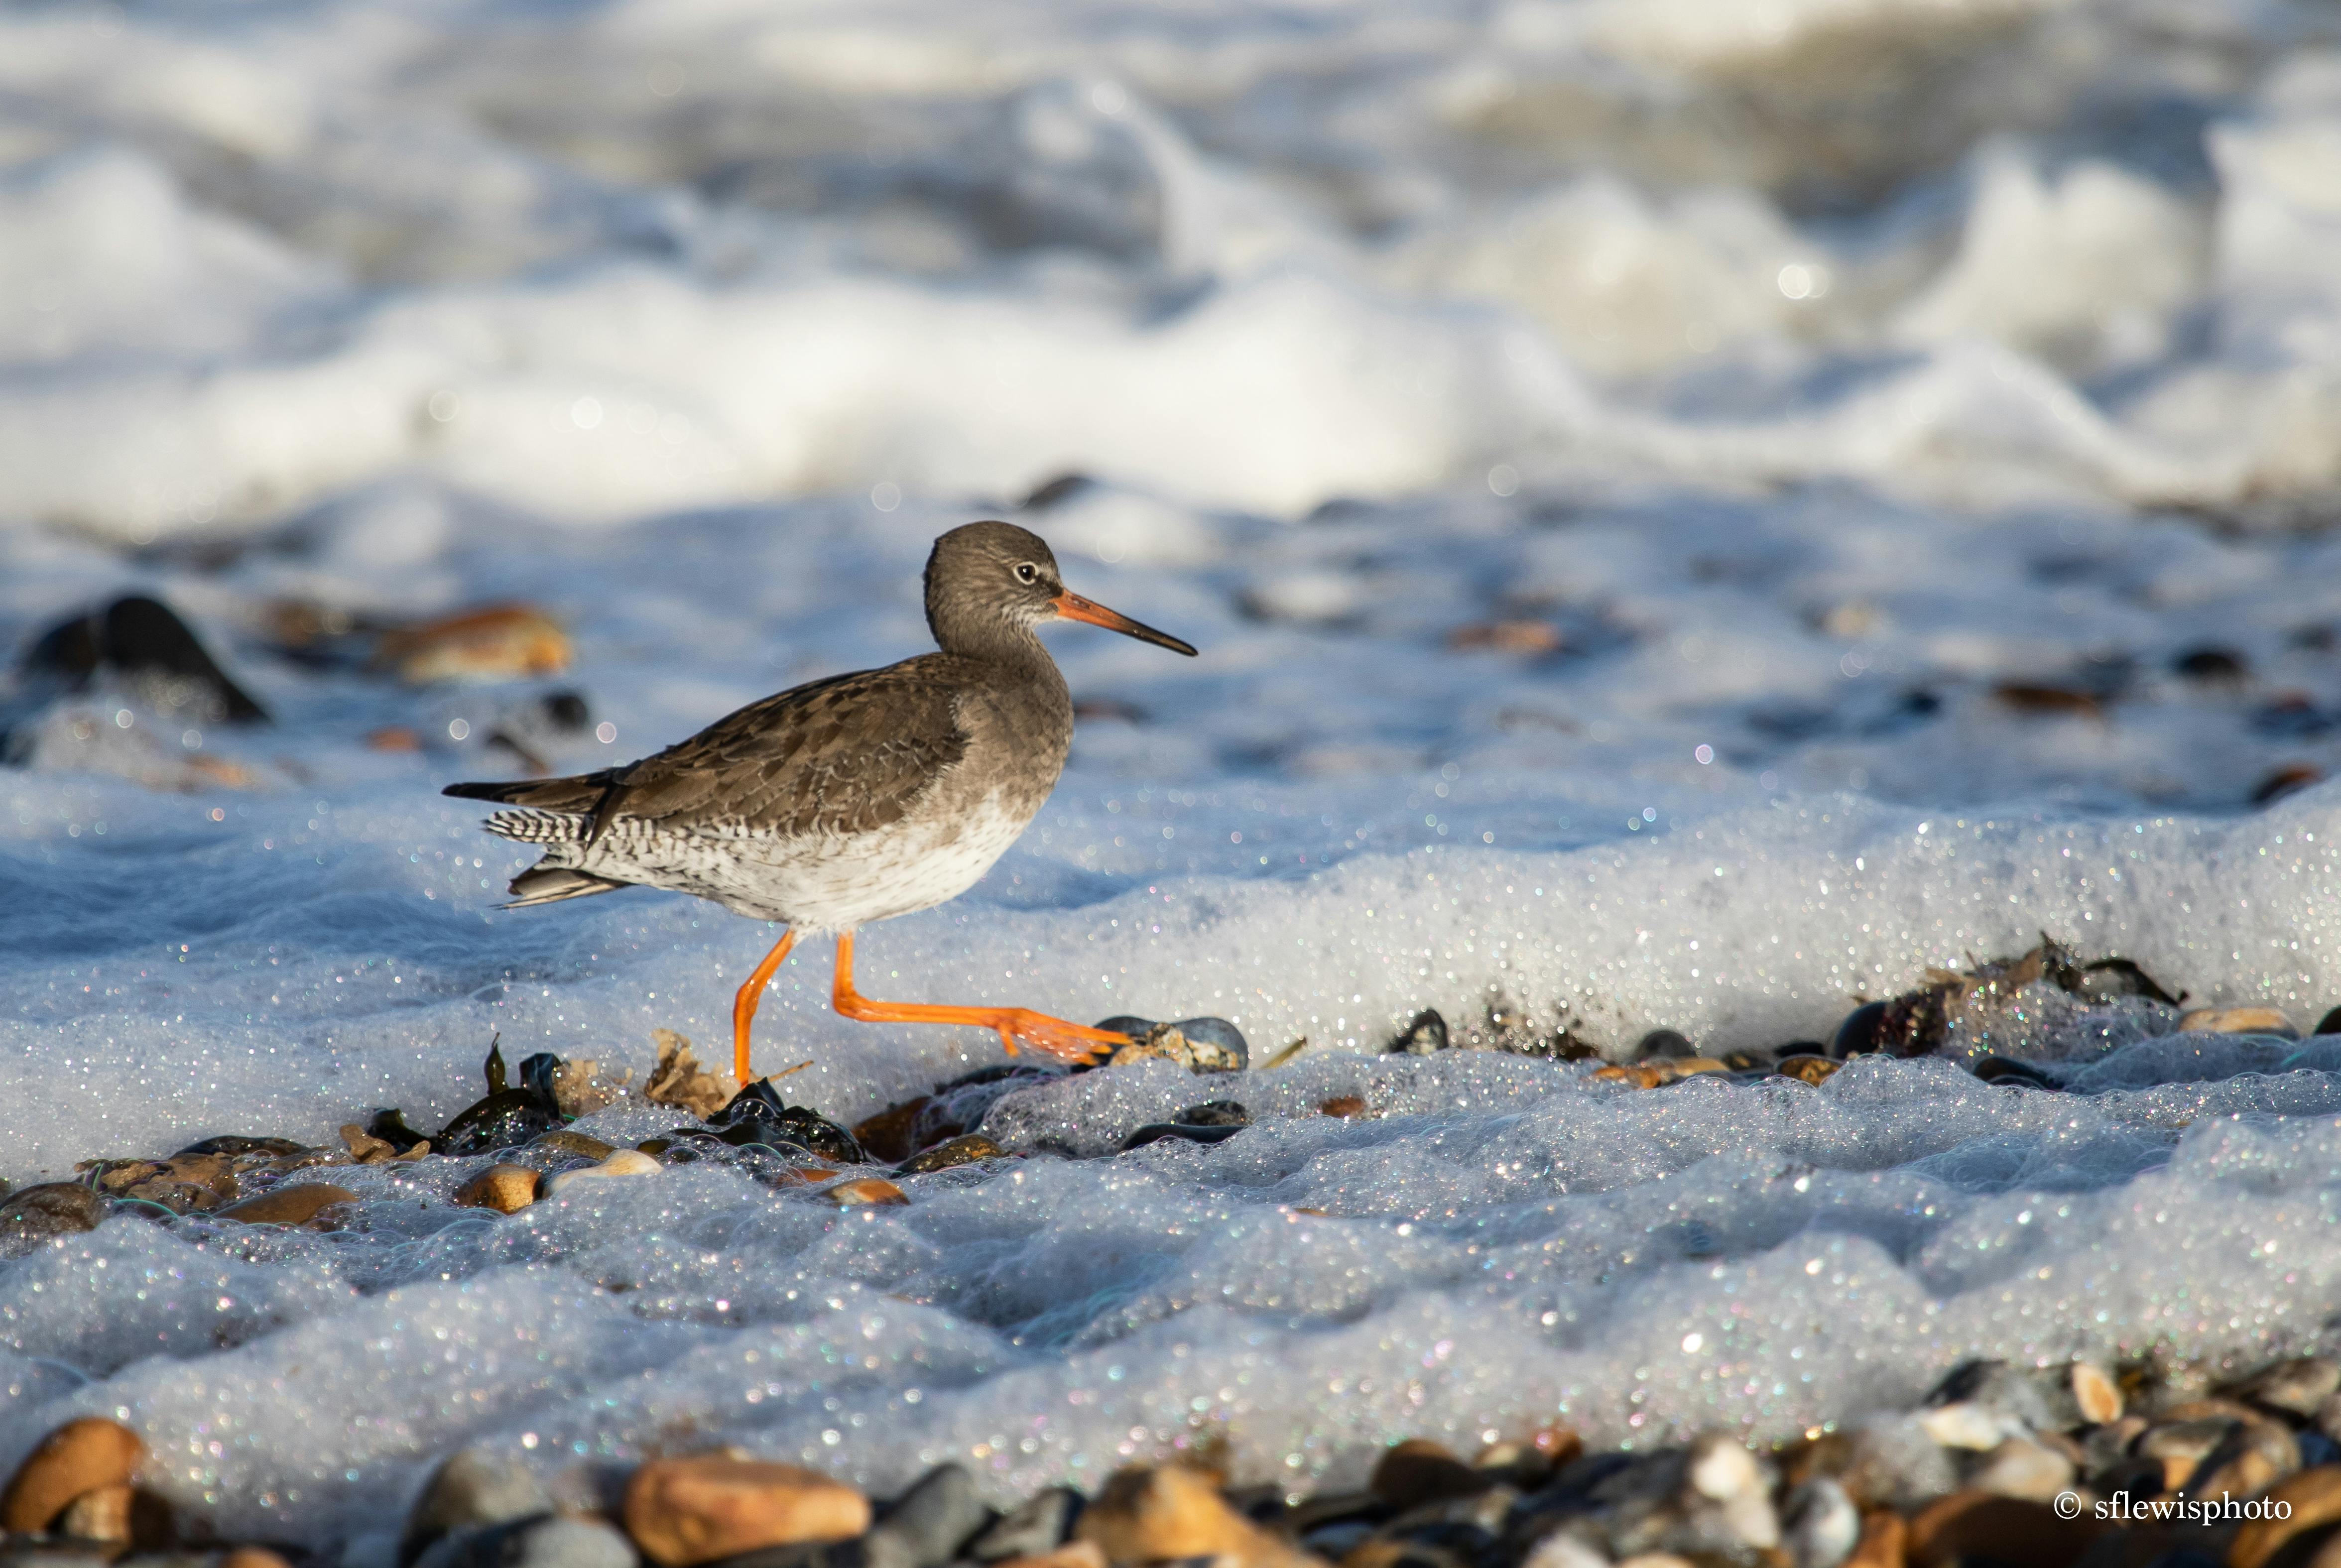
x=1073 y=607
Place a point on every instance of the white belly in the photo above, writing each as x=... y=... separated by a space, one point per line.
x=827 y=884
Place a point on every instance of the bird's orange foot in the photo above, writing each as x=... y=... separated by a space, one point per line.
x=1055 y=1037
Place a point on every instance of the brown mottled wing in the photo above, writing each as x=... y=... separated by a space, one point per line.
x=845 y=755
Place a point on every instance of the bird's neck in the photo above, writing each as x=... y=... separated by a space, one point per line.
x=1007 y=644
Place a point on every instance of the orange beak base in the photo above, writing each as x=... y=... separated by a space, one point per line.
x=1073 y=607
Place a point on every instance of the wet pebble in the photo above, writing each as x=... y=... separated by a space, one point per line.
x=1807 y=1069
x=2297 y=1387
x=966 y=1149
x=505 y=1188
x=2238 y=1021
x=622 y=1163
x=928 y=1524
x=469 y=1488
x=757 y=1115
x=562 y=1141
x=495 y=642
x=1664 y=1045
x=79 y=1457
x=1200 y=1044
x=50 y=1208
x=685 y=1512
x=1149 y=1514
x=1037 y=1525
x=301 y=1204
x=863 y=1191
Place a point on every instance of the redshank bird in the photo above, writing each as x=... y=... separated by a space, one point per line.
x=848 y=799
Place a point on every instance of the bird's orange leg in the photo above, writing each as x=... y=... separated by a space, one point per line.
x=1055 y=1037
x=743 y=1006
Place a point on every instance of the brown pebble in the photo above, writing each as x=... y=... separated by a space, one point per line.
x=498 y=641
x=1419 y=1471
x=2029 y=697
x=2238 y=1021
x=1344 y=1106
x=963 y=1150
x=2285 y=781
x=2008 y=1530
x=863 y=1191
x=1507 y=637
x=505 y=1188
x=1148 y=1514
x=50 y=1208
x=1659 y=1072
x=684 y=1511
x=2097 y=1395
x=393 y=737
x=1885 y=1541
x=887 y=1134
x=1807 y=1069
x=79 y=1456
x=297 y=1205
x=365 y=1148
x=2312 y=1497
x=252 y=1557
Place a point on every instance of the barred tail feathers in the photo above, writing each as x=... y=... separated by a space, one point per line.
x=538 y=827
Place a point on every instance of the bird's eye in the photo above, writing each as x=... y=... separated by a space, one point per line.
x=1027 y=572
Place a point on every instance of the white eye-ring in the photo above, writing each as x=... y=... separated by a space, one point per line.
x=1027 y=572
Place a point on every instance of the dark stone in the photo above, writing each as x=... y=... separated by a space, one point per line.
x=1665 y=1046
x=231 y=1146
x=536 y=1073
x=1425 y=1034
x=1155 y=1132
x=928 y=1524
x=756 y=1116
x=1043 y=1523
x=50 y=1208
x=1799 y=1048
x=503 y=1120
x=2330 y=1023
x=1064 y=487
x=2009 y=1071
x=1863 y=1031
x=566 y=710
x=1751 y=1059
x=1214 y=1113
x=144 y=640
x=390 y=1126
x=1120 y=1024
x=2119 y=977
x=2211 y=663
x=467 y=1489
